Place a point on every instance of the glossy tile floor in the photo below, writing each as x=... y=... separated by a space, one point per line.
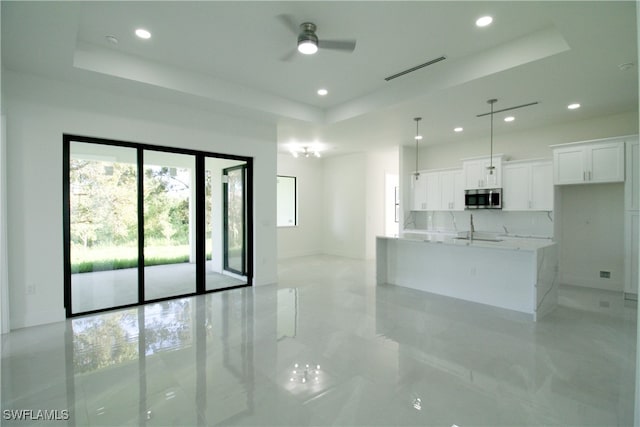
x=376 y=356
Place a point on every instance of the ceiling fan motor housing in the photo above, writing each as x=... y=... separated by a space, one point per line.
x=308 y=33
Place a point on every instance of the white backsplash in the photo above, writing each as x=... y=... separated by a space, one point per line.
x=535 y=224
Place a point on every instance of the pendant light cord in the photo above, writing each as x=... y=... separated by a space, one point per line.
x=491 y=102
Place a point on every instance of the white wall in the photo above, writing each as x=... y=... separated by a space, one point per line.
x=39 y=111
x=378 y=165
x=344 y=231
x=591 y=235
x=4 y=261
x=341 y=204
x=306 y=238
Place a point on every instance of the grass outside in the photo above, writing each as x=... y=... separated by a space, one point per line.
x=85 y=260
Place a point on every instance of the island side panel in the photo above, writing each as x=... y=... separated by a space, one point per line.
x=547 y=281
x=381 y=260
x=499 y=277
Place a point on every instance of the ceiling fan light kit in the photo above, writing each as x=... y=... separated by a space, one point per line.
x=307 y=40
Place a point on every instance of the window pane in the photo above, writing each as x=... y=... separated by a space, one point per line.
x=103 y=227
x=235 y=220
x=215 y=275
x=169 y=225
x=287 y=201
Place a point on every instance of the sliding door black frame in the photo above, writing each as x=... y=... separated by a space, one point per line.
x=225 y=226
x=200 y=225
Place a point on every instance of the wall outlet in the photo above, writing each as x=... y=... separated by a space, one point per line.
x=31 y=289
x=605 y=274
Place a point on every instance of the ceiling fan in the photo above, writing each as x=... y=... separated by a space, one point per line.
x=308 y=42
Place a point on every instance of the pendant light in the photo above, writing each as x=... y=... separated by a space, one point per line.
x=418 y=137
x=491 y=177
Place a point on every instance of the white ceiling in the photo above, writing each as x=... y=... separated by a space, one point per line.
x=226 y=56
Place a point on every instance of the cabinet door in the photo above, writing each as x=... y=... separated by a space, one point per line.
x=419 y=185
x=569 y=165
x=452 y=189
x=541 y=187
x=432 y=182
x=606 y=162
x=458 y=191
x=516 y=188
x=473 y=174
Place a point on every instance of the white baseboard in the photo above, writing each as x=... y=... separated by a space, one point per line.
x=587 y=282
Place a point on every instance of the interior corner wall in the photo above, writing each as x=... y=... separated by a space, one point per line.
x=345 y=206
x=306 y=237
x=40 y=110
x=378 y=164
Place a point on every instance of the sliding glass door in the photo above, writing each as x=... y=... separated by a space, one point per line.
x=169 y=225
x=225 y=231
x=145 y=223
x=103 y=240
x=235 y=223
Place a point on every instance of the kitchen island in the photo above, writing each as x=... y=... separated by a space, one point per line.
x=511 y=273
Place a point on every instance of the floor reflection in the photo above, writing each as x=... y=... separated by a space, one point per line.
x=376 y=355
x=155 y=361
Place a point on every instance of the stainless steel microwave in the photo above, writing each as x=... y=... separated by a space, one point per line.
x=486 y=198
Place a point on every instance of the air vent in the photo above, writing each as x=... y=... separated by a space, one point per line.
x=417 y=67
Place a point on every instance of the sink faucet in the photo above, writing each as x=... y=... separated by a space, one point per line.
x=472 y=229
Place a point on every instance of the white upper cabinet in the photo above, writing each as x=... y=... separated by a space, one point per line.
x=527 y=186
x=433 y=191
x=589 y=162
x=419 y=191
x=452 y=190
x=438 y=191
x=475 y=172
x=542 y=186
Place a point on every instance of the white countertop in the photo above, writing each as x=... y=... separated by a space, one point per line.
x=449 y=238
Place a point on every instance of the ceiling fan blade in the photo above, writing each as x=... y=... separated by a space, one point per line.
x=344 y=45
x=289 y=56
x=288 y=21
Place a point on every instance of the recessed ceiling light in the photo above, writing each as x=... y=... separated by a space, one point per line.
x=322 y=92
x=484 y=21
x=458 y=129
x=143 y=34
x=573 y=106
x=509 y=119
x=111 y=39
